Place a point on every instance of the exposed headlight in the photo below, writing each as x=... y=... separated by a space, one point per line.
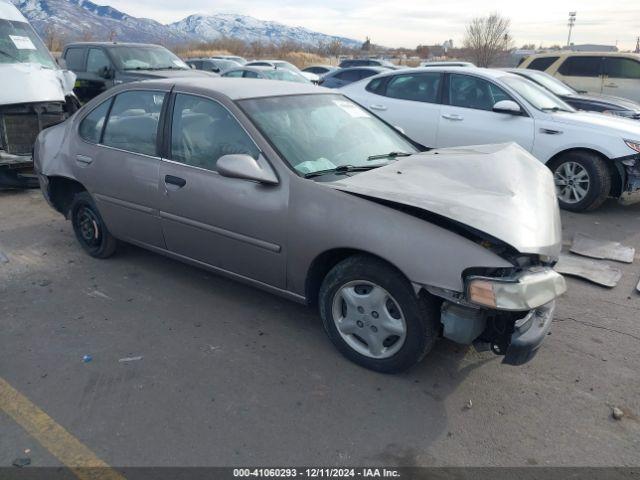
x=633 y=145
x=525 y=292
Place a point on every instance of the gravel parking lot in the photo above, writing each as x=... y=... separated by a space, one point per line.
x=231 y=375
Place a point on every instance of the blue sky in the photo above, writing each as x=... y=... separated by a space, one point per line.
x=407 y=23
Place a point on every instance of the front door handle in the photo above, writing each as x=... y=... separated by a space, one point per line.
x=453 y=116
x=83 y=159
x=378 y=107
x=611 y=85
x=176 y=181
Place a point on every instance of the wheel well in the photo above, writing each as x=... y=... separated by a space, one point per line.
x=616 y=177
x=61 y=192
x=323 y=263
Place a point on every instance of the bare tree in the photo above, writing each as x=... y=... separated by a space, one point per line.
x=488 y=38
x=334 y=49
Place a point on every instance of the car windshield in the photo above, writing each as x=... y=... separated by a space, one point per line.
x=147 y=58
x=20 y=44
x=315 y=133
x=286 y=75
x=537 y=96
x=550 y=83
x=286 y=65
x=226 y=64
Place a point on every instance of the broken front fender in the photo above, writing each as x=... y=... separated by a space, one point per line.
x=631 y=188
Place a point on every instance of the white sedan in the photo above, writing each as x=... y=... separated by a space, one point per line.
x=593 y=156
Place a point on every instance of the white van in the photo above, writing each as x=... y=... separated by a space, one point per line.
x=35 y=93
x=616 y=74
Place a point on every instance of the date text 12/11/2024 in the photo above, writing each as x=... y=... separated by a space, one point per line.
x=315 y=472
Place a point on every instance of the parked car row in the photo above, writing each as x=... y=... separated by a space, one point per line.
x=592 y=156
x=344 y=199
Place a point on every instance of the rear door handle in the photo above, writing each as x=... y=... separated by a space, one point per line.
x=611 y=85
x=176 y=181
x=83 y=159
x=453 y=116
x=377 y=107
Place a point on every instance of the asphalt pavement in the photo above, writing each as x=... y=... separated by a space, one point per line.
x=233 y=376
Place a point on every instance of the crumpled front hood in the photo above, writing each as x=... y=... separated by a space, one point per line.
x=500 y=190
x=30 y=82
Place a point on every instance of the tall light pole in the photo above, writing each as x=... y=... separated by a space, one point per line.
x=572 y=22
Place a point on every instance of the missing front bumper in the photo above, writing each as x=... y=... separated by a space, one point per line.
x=528 y=335
x=631 y=190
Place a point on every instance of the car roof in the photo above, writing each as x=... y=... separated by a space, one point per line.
x=253 y=68
x=477 y=71
x=569 y=53
x=234 y=88
x=373 y=68
x=111 y=44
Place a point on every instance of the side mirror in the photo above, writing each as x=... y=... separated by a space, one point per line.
x=106 y=73
x=507 y=106
x=245 y=167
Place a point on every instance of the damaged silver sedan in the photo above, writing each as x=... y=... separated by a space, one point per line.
x=299 y=191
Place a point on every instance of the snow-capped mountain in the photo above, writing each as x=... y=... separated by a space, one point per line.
x=249 y=29
x=83 y=19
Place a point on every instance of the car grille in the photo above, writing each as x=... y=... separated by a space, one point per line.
x=19 y=130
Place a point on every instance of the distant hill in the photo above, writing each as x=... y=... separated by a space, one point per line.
x=249 y=29
x=83 y=19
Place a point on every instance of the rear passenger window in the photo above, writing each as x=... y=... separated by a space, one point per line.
x=202 y=131
x=622 y=68
x=541 y=63
x=133 y=122
x=419 y=87
x=581 y=67
x=74 y=58
x=91 y=126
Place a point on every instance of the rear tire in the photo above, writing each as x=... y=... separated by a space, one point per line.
x=373 y=317
x=91 y=231
x=582 y=179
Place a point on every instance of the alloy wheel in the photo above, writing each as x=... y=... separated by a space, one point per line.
x=572 y=182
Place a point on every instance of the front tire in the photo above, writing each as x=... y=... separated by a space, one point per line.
x=373 y=317
x=91 y=231
x=582 y=180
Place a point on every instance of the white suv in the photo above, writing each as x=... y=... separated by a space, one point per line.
x=615 y=74
x=593 y=156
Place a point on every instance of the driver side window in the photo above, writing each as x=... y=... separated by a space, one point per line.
x=202 y=131
x=97 y=60
x=472 y=92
